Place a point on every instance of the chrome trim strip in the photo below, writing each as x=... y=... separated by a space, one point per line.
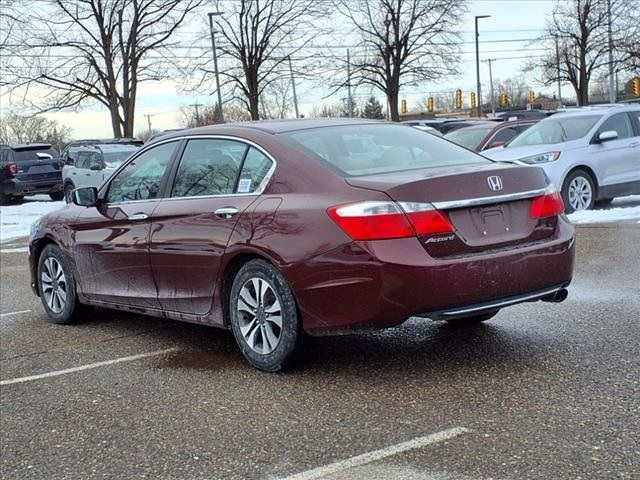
x=500 y=303
x=258 y=191
x=472 y=202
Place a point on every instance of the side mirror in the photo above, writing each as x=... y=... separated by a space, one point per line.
x=85 y=196
x=608 y=135
x=495 y=144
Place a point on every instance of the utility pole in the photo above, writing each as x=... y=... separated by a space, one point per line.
x=478 y=90
x=215 y=62
x=349 y=97
x=149 y=121
x=493 y=101
x=612 y=86
x=293 y=88
x=558 y=71
x=196 y=105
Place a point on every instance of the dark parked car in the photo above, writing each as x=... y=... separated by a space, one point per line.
x=483 y=136
x=277 y=228
x=452 y=125
x=28 y=170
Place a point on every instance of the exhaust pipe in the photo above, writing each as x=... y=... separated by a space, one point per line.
x=556 y=297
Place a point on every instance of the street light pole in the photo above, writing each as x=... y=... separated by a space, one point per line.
x=478 y=89
x=558 y=71
x=612 y=86
x=293 y=87
x=215 y=62
x=493 y=104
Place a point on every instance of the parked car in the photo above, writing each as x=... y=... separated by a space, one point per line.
x=277 y=228
x=452 y=125
x=29 y=170
x=591 y=154
x=90 y=166
x=430 y=130
x=488 y=135
x=432 y=122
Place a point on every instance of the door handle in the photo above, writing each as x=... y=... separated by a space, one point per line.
x=138 y=217
x=226 y=212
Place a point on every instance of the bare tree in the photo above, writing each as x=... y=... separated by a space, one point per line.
x=260 y=37
x=210 y=115
x=581 y=29
x=277 y=99
x=516 y=88
x=100 y=50
x=405 y=41
x=16 y=128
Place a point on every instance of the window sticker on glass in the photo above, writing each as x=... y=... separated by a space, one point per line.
x=244 y=185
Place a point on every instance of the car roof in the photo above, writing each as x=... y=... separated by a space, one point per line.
x=272 y=126
x=597 y=109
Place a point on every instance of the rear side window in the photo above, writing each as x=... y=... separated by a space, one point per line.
x=208 y=167
x=254 y=170
x=30 y=155
x=353 y=150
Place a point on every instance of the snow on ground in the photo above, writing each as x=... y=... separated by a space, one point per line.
x=16 y=220
x=622 y=209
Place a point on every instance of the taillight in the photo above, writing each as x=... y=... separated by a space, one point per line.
x=386 y=220
x=547 y=205
x=11 y=168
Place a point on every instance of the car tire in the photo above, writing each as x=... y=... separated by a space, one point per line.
x=68 y=190
x=264 y=316
x=473 y=319
x=4 y=199
x=578 y=191
x=57 y=287
x=56 y=196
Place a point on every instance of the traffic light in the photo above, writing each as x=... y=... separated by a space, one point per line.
x=503 y=100
x=430 y=104
x=636 y=86
x=458 y=99
x=404 y=106
x=473 y=99
x=532 y=97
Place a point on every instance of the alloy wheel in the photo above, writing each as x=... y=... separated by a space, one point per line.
x=54 y=285
x=580 y=193
x=259 y=315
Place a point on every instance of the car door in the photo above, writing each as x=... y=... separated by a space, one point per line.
x=618 y=160
x=215 y=181
x=112 y=240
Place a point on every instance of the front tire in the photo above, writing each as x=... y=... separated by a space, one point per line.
x=57 y=287
x=264 y=316
x=56 y=196
x=578 y=191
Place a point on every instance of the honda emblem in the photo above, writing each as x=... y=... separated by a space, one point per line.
x=495 y=183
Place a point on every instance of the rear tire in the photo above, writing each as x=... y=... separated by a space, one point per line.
x=264 y=316
x=57 y=287
x=56 y=196
x=68 y=190
x=578 y=191
x=4 y=199
x=473 y=319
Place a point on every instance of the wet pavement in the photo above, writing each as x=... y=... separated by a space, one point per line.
x=543 y=391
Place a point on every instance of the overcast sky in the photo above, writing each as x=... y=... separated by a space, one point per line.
x=508 y=34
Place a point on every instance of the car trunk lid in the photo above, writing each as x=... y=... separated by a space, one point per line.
x=488 y=206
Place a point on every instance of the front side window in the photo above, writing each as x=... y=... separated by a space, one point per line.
x=619 y=123
x=556 y=129
x=379 y=148
x=468 y=137
x=141 y=179
x=208 y=167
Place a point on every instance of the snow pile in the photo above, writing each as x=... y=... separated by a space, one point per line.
x=623 y=209
x=16 y=220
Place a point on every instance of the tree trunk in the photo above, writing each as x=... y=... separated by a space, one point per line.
x=254 y=107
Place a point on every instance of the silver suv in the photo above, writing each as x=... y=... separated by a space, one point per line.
x=91 y=165
x=591 y=154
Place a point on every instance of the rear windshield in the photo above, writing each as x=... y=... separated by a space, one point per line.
x=556 y=130
x=34 y=154
x=468 y=138
x=354 y=150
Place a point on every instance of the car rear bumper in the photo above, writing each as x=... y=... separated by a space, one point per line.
x=19 y=187
x=380 y=284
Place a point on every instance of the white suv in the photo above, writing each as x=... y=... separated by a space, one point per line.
x=91 y=165
x=591 y=154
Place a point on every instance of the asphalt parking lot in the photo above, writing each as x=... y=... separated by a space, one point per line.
x=542 y=391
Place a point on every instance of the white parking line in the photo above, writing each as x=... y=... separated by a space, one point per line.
x=9 y=314
x=378 y=454
x=87 y=367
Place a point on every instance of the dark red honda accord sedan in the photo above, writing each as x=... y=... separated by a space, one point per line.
x=278 y=228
